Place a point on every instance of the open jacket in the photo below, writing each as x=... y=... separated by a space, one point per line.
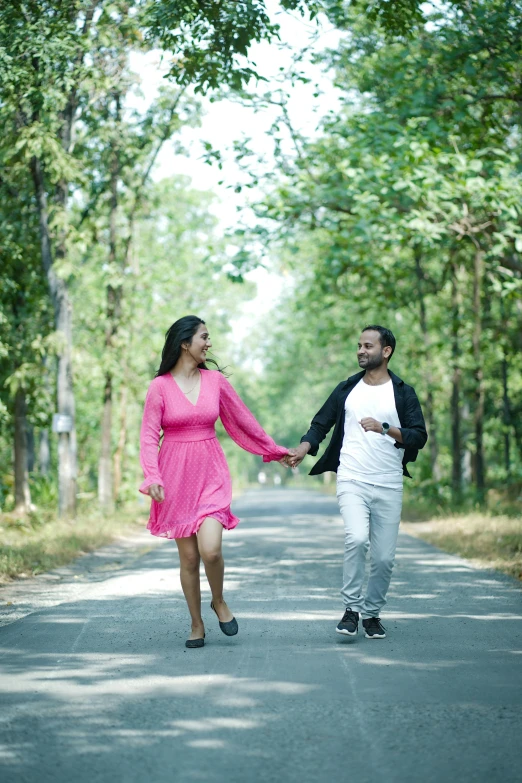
x=332 y=413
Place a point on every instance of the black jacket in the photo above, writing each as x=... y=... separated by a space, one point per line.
x=412 y=427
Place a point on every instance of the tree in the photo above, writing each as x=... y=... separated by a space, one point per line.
x=210 y=41
x=175 y=266
x=458 y=72
x=44 y=76
x=25 y=327
x=54 y=62
x=395 y=220
x=119 y=148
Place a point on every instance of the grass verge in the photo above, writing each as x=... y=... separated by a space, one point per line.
x=32 y=546
x=490 y=541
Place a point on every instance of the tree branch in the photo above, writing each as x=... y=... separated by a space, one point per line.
x=511 y=263
x=167 y=130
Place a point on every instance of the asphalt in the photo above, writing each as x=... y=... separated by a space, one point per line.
x=97 y=685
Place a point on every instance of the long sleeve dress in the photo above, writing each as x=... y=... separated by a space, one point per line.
x=191 y=465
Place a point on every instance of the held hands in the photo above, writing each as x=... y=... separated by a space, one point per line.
x=286 y=459
x=371 y=425
x=157 y=493
x=296 y=456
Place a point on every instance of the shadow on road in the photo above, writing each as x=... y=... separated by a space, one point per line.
x=103 y=689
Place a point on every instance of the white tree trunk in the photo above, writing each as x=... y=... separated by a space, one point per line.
x=44 y=453
x=67 y=469
x=105 y=491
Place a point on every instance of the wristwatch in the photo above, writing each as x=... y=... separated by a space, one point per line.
x=385 y=427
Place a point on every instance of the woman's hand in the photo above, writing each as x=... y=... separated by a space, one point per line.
x=296 y=456
x=157 y=493
x=286 y=459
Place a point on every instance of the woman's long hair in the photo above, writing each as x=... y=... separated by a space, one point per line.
x=181 y=331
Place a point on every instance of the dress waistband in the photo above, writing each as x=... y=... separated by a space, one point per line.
x=189 y=434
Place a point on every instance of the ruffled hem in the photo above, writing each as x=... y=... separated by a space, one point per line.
x=224 y=516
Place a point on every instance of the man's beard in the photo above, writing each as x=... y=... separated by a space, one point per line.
x=372 y=363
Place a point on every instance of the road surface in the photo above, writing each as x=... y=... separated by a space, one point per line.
x=97 y=684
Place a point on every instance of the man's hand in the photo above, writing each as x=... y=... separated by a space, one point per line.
x=371 y=425
x=157 y=493
x=299 y=454
x=286 y=459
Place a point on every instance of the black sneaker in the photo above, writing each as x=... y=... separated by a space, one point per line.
x=373 y=628
x=349 y=624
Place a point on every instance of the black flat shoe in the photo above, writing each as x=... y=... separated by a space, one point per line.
x=192 y=643
x=230 y=628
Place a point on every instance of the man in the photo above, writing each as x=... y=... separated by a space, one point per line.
x=378 y=428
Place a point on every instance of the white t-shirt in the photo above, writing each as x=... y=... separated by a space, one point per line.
x=369 y=456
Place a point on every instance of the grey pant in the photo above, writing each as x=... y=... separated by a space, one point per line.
x=371 y=517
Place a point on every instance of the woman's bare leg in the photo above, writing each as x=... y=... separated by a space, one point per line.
x=209 y=544
x=189 y=574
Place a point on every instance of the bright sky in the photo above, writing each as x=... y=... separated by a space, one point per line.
x=225 y=121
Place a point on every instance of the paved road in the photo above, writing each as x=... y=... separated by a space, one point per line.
x=97 y=685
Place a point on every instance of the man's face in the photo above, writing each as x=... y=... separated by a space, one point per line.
x=370 y=353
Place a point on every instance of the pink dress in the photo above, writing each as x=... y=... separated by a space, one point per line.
x=191 y=465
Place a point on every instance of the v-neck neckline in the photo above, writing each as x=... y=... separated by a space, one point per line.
x=194 y=404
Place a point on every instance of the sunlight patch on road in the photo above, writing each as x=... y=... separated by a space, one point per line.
x=211 y=744
x=456 y=616
x=213 y=724
x=418 y=665
x=87 y=680
x=288 y=616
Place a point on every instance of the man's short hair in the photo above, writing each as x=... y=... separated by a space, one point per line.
x=386 y=335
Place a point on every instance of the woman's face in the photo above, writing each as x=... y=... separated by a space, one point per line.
x=200 y=344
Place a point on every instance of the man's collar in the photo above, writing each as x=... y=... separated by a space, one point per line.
x=395 y=378
x=353 y=379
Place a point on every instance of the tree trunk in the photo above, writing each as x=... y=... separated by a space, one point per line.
x=67 y=469
x=456 y=444
x=506 y=416
x=517 y=431
x=105 y=497
x=44 y=453
x=44 y=447
x=478 y=372
x=506 y=402
x=122 y=439
x=467 y=455
x=114 y=295
x=30 y=447
x=22 y=491
x=428 y=375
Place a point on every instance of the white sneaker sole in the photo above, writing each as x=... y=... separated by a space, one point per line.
x=346 y=633
x=375 y=636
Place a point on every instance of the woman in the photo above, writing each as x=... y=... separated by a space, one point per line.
x=188 y=479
